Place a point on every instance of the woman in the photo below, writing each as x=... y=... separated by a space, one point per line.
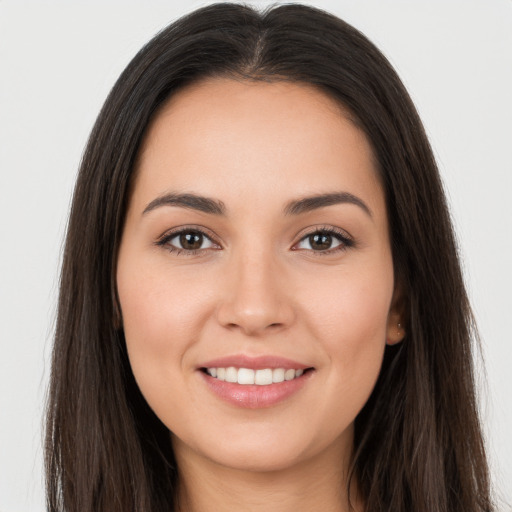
x=261 y=304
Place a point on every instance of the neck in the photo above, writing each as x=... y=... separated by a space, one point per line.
x=320 y=483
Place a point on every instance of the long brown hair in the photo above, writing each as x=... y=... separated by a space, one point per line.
x=418 y=442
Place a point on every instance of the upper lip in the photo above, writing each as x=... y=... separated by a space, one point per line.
x=254 y=362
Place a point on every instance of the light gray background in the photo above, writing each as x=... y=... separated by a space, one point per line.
x=58 y=61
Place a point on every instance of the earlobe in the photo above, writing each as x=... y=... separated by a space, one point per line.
x=395 y=332
x=395 y=327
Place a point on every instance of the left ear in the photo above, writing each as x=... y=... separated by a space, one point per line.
x=395 y=331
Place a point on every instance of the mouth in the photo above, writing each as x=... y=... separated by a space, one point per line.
x=255 y=382
x=258 y=377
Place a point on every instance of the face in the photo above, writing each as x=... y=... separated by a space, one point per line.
x=255 y=275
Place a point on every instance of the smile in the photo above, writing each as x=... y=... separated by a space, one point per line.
x=255 y=388
x=259 y=377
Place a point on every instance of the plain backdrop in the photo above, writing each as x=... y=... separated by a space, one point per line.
x=58 y=61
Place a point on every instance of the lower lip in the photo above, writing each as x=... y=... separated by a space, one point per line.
x=252 y=396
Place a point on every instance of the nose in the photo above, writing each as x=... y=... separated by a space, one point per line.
x=256 y=296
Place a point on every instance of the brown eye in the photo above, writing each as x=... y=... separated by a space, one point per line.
x=191 y=240
x=188 y=240
x=320 y=241
x=326 y=241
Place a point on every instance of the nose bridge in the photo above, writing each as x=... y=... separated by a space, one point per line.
x=255 y=297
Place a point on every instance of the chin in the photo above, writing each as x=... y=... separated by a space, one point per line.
x=258 y=459
x=263 y=452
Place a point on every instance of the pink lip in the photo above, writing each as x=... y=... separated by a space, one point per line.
x=254 y=363
x=253 y=396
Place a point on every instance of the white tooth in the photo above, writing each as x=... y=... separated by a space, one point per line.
x=231 y=374
x=245 y=376
x=221 y=373
x=289 y=374
x=263 y=377
x=278 y=375
x=212 y=372
x=298 y=373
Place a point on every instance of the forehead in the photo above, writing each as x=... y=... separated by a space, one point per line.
x=277 y=139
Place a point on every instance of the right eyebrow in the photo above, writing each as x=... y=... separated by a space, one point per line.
x=190 y=201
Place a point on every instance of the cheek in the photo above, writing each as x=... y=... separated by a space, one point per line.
x=349 y=315
x=351 y=306
x=352 y=329
x=162 y=318
x=158 y=305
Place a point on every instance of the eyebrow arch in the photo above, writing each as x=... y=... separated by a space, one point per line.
x=190 y=201
x=308 y=204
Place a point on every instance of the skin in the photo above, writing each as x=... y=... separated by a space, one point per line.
x=258 y=288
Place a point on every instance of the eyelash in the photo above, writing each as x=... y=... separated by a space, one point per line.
x=164 y=241
x=345 y=240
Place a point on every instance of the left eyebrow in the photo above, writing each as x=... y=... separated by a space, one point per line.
x=308 y=204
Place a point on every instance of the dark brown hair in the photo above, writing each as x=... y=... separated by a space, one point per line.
x=418 y=442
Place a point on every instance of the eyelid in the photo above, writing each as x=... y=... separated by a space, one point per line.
x=164 y=238
x=347 y=241
x=343 y=236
